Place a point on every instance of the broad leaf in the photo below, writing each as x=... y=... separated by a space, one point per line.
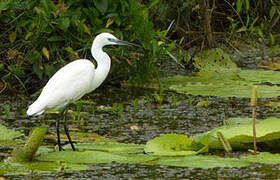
x=109 y=147
x=219 y=76
x=170 y=145
x=261 y=76
x=240 y=135
x=94 y=157
x=204 y=162
x=216 y=86
x=264 y=157
x=8 y=134
x=39 y=167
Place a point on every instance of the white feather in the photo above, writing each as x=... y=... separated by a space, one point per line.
x=75 y=79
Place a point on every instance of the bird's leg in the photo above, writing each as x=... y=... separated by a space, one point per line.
x=57 y=128
x=67 y=133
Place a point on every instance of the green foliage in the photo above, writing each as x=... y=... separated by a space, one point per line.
x=216 y=86
x=94 y=157
x=109 y=147
x=215 y=61
x=219 y=76
x=46 y=35
x=170 y=145
x=24 y=168
x=7 y=110
x=229 y=19
x=263 y=157
x=204 y=162
x=7 y=134
x=240 y=135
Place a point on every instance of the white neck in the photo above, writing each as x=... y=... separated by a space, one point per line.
x=103 y=65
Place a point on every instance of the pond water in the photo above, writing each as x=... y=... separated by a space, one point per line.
x=177 y=114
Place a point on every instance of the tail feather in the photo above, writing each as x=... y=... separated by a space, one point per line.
x=36 y=108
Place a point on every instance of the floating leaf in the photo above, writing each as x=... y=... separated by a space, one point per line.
x=8 y=134
x=110 y=147
x=219 y=76
x=240 y=135
x=12 y=37
x=263 y=157
x=170 y=145
x=260 y=76
x=94 y=157
x=39 y=167
x=216 y=86
x=46 y=53
x=204 y=162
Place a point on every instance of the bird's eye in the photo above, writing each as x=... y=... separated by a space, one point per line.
x=110 y=39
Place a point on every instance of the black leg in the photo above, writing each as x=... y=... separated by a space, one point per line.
x=67 y=134
x=57 y=128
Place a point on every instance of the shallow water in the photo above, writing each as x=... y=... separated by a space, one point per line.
x=152 y=119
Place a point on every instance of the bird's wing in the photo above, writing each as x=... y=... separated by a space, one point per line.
x=68 y=84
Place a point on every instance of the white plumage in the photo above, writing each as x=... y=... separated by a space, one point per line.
x=67 y=85
x=77 y=78
x=74 y=80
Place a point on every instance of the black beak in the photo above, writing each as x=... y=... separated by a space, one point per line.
x=124 y=43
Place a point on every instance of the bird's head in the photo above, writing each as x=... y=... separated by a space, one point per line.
x=104 y=39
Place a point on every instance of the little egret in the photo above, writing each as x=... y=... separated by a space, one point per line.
x=74 y=80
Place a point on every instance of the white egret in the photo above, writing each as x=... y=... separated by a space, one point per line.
x=74 y=80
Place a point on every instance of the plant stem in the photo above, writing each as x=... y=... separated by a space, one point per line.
x=254 y=102
x=254 y=128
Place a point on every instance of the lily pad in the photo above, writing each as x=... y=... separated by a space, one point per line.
x=264 y=157
x=239 y=135
x=109 y=147
x=204 y=162
x=94 y=157
x=219 y=76
x=216 y=86
x=8 y=136
x=261 y=76
x=170 y=145
x=29 y=167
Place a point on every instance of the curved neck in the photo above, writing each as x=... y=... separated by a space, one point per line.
x=103 y=65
